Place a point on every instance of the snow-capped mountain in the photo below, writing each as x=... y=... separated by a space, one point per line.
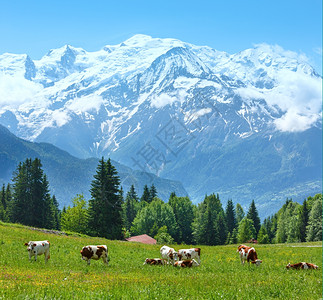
x=213 y=120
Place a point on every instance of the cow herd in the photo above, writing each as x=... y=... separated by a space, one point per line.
x=184 y=258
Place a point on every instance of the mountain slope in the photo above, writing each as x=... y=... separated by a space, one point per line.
x=68 y=175
x=186 y=112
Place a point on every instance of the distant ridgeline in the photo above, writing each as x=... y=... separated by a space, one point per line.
x=111 y=214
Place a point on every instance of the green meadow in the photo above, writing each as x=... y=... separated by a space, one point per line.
x=220 y=276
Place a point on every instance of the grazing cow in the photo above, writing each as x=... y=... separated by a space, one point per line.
x=248 y=254
x=36 y=248
x=302 y=265
x=154 y=261
x=190 y=254
x=186 y=263
x=168 y=253
x=95 y=252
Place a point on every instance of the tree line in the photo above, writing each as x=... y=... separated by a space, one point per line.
x=111 y=214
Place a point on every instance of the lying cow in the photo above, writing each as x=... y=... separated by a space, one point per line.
x=190 y=254
x=36 y=248
x=95 y=252
x=154 y=261
x=302 y=265
x=168 y=253
x=248 y=254
x=186 y=263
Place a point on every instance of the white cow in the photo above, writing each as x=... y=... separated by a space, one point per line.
x=36 y=248
x=168 y=253
x=95 y=252
x=190 y=254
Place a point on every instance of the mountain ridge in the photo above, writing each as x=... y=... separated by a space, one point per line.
x=160 y=105
x=68 y=175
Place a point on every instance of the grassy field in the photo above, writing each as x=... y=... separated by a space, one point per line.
x=220 y=276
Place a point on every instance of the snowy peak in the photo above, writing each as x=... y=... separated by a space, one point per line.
x=19 y=65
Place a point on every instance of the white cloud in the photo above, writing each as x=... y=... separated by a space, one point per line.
x=294 y=121
x=16 y=90
x=162 y=100
x=297 y=95
x=85 y=103
x=59 y=117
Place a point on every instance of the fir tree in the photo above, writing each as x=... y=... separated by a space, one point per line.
x=184 y=215
x=230 y=216
x=253 y=215
x=130 y=207
x=220 y=229
x=303 y=221
x=152 y=193
x=31 y=198
x=105 y=206
x=205 y=230
x=146 y=195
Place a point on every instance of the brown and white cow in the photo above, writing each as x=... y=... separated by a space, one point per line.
x=186 y=263
x=248 y=254
x=154 y=261
x=190 y=254
x=302 y=265
x=168 y=253
x=95 y=252
x=36 y=248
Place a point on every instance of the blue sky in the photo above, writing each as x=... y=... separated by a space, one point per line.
x=34 y=27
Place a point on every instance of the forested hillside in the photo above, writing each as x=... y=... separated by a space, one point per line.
x=113 y=214
x=68 y=175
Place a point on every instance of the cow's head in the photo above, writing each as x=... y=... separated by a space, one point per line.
x=30 y=246
x=257 y=262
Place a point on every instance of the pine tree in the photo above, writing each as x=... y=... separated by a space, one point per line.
x=253 y=215
x=152 y=193
x=184 y=215
x=130 y=207
x=220 y=229
x=105 y=206
x=303 y=221
x=205 y=230
x=230 y=216
x=146 y=195
x=56 y=213
x=31 y=198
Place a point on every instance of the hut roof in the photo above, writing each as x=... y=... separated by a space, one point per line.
x=144 y=238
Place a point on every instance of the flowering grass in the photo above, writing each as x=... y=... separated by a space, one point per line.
x=220 y=276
